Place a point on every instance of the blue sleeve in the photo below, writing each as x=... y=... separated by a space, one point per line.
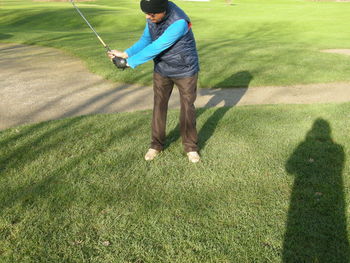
x=144 y=41
x=173 y=33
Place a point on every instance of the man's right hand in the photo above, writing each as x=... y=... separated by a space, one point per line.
x=115 y=53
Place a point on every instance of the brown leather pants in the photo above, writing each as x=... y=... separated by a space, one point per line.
x=162 y=87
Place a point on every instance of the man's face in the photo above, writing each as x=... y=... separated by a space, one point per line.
x=156 y=17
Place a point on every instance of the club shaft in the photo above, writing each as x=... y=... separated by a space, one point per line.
x=87 y=22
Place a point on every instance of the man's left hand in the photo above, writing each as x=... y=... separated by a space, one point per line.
x=120 y=62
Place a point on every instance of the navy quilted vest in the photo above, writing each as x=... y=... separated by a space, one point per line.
x=181 y=59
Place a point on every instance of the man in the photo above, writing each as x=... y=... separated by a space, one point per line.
x=169 y=41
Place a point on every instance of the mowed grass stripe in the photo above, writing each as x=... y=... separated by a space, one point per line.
x=277 y=42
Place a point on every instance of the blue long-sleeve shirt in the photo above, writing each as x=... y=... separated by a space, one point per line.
x=145 y=50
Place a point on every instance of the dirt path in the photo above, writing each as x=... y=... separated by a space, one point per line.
x=34 y=89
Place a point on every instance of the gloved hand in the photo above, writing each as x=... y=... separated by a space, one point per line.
x=120 y=62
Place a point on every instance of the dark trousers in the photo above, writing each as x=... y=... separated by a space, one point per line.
x=162 y=87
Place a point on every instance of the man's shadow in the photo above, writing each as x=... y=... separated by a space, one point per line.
x=316 y=228
x=229 y=97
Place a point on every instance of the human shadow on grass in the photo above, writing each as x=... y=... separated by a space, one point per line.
x=227 y=97
x=316 y=228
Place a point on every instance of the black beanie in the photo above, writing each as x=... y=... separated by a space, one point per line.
x=153 y=6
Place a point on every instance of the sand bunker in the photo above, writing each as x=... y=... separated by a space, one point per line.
x=28 y=96
x=62 y=0
x=337 y=51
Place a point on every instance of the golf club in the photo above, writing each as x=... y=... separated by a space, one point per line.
x=87 y=22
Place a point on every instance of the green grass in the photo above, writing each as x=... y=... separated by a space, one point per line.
x=272 y=186
x=273 y=183
x=277 y=41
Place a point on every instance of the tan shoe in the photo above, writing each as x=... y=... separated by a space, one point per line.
x=193 y=157
x=151 y=154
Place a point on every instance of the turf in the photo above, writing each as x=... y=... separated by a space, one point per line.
x=272 y=186
x=273 y=183
x=275 y=42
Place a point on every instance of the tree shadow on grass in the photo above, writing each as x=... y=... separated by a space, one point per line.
x=5 y=36
x=41 y=141
x=226 y=97
x=316 y=227
x=60 y=185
